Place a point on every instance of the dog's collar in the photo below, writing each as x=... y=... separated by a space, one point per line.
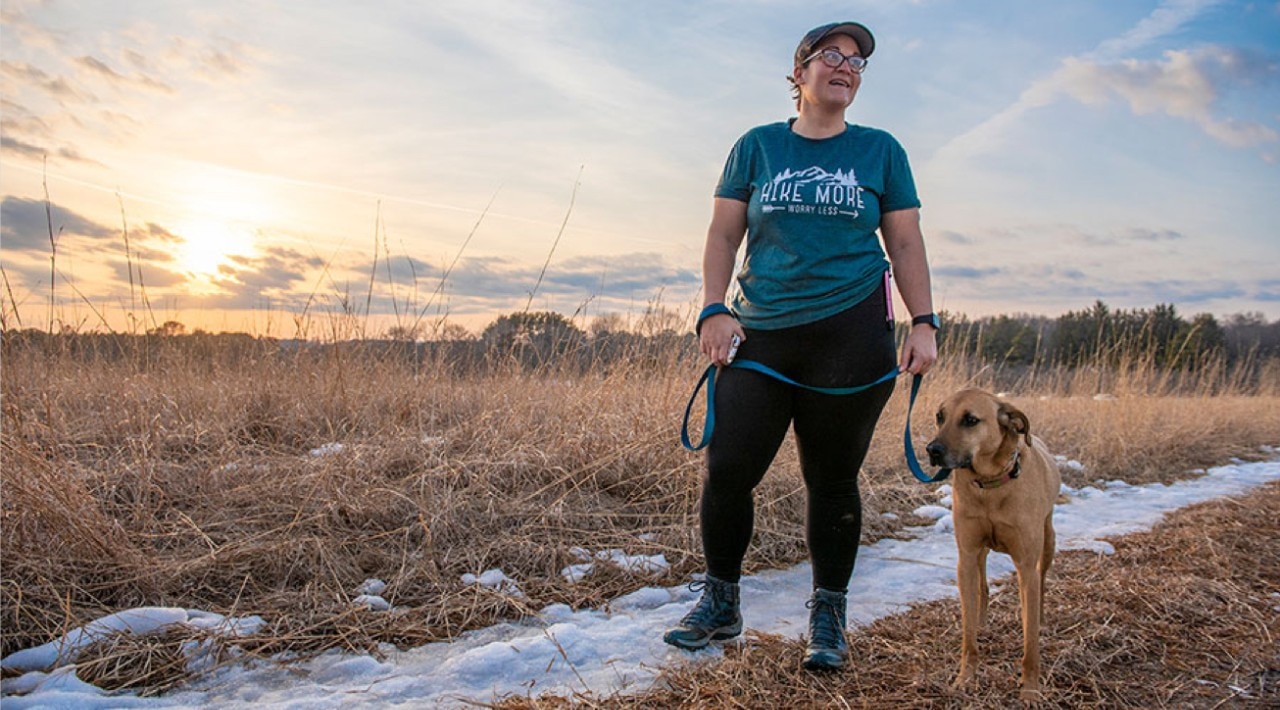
x=1014 y=469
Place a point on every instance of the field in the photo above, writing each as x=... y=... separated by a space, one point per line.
x=260 y=480
x=1183 y=616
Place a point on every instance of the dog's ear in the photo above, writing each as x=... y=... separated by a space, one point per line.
x=1013 y=420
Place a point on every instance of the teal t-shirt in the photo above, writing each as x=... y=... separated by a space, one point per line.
x=813 y=208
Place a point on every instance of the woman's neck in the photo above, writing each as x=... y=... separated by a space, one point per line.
x=815 y=123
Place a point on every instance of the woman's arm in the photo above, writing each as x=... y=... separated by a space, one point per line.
x=724 y=236
x=904 y=243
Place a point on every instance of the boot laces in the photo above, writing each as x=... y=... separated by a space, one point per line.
x=709 y=606
x=826 y=628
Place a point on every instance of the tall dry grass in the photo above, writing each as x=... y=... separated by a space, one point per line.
x=184 y=476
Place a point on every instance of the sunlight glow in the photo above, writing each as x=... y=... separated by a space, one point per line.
x=225 y=213
x=210 y=245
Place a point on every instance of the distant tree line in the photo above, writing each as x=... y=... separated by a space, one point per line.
x=1101 y=335
x=1097 y=335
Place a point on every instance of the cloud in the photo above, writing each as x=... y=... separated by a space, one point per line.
x=37 y=78
x=620 y=275
x=967 y=272
x=21 y=30
x=27 y=150
x=97 y=67
x=123 y=123
x=16 y=118
x=1121 y=239
x=248 y=282
x=1143 y=234
x=153 y=244
x=1048 y=288
x=275 y=269
x=1266 y=290
x=589 y=71
x=24 y=224
x=481 y=284
x=138 y=60
x=1197 y=291
x=149 y=276
x=952 y=237
x=156 y=231
x=142 y=253
x=1166 y=19
x=1182 y=84
x=214 y=62
x=35 y=152
x=61 y=78
x=219 y=63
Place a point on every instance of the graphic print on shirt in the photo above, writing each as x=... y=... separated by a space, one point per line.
x=812 y=191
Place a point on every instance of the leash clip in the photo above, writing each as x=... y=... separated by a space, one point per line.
x=909 y=451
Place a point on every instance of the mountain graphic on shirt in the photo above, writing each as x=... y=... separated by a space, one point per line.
x=816 y=174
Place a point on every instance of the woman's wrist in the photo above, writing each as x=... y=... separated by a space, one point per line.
x=711 y=309
x=929 y=320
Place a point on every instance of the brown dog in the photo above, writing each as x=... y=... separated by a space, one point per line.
x=1004 y=490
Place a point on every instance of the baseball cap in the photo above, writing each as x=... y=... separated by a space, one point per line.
x=859 y=33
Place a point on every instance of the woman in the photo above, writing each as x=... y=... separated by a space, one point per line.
x=812 y=303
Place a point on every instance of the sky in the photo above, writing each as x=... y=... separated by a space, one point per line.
x=599 y=651
x=254 y=166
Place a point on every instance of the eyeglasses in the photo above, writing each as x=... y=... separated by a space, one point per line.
x=833 y=58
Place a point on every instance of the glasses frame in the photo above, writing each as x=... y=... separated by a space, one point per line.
x=857 y=64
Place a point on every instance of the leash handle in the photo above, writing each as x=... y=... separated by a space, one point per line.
x=709 y=380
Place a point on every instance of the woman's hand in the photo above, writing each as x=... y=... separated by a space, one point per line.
x=716 y=337
x=920 y=351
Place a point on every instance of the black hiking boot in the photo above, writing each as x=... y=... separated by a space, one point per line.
x=715 y=617
x=828 y=649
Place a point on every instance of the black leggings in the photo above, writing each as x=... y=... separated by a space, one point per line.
x=833 y=433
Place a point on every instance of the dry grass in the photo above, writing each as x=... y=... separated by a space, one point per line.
x=185 y=479
x=1183 y=616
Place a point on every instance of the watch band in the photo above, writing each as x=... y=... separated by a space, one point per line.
x=929 y=319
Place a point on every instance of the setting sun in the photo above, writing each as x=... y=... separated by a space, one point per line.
x=225 y=212
x=209 y=245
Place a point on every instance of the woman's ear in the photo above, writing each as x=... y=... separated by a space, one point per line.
x=797 y=75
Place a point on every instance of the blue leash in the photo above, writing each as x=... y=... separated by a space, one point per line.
x=709 y=380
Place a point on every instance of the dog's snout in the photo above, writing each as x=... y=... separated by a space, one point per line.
x=937 y=452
